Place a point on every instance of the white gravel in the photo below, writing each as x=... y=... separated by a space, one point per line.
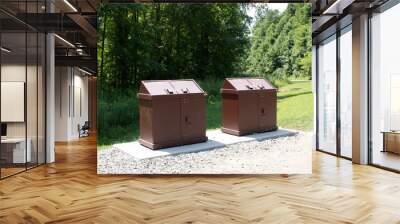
x=285 y=155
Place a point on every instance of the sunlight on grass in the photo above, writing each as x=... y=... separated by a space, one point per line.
x=295 y=106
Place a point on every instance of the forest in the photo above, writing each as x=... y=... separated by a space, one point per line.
x=205 y=42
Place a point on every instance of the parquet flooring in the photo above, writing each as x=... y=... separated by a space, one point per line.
x=70 y=191
x=11 y=170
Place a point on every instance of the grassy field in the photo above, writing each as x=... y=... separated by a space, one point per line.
x=295 y=106
x=119 y=113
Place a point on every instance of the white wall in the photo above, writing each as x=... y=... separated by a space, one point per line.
x=13 y=101
x=33 y=126
x=62 y=82
x=12 y=73
x=80 y=88
x=17 y=73
x=71 y=87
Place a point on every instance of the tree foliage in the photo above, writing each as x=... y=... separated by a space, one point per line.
x=171 y=41
x=281 y=43
x=165 y=41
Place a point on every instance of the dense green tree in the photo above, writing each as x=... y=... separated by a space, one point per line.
x=162 y=41
x=281 y=43
x=165 y=41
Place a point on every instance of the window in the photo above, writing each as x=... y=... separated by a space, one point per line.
x=22 y=88
x=327 y=95
x=385 y=88
x=346 y=92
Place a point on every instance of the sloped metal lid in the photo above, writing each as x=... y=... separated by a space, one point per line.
x=242 y=84
x=261 y=83
x=169 y=87
x=157 y=87
x=186 y=86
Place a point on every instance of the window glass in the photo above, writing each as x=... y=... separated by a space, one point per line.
x=15 y=149
x=385 y=88
x=22 y=89
x=346 y=92
x=327 y=95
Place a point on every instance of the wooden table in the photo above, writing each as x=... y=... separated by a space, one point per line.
x=391 y=141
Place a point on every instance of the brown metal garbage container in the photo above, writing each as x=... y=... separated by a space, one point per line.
x=172 y=113
x=248 y=106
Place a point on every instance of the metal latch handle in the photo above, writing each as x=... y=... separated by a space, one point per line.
x=169 y=91
x=186 y=90
x=249 y=87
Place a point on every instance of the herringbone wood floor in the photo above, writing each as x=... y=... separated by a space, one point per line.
x=70 y=191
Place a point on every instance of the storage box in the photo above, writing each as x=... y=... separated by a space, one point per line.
x=172 y=113
x=248 y=105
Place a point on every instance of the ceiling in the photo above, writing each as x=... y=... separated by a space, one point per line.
x=329 y=15
x=74 y=22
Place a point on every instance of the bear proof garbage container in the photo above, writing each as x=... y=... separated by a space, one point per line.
x=248 y=106
x=172 y=113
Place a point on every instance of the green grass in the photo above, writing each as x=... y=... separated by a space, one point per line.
x=212 y=88
x=295 y=106
x=118 y=117
x=118 y=113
